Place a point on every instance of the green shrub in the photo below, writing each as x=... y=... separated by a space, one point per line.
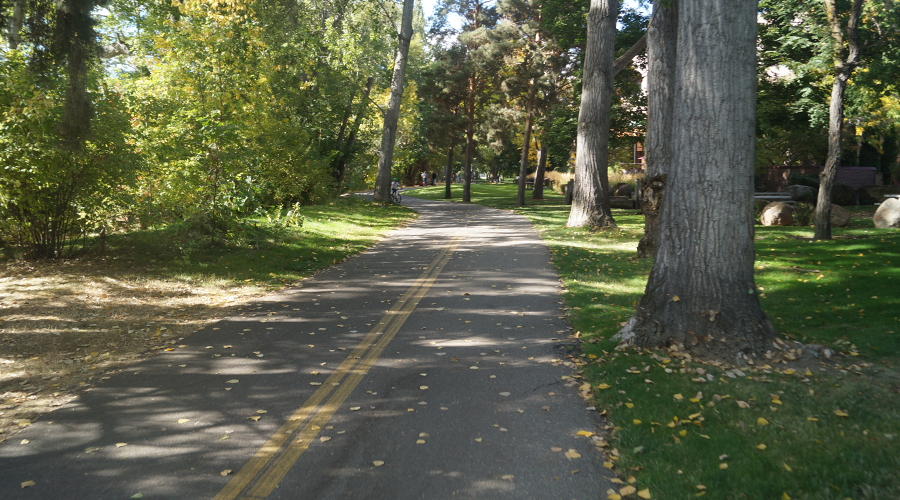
x=803 y=180
x=803 y=213
x=843 y=195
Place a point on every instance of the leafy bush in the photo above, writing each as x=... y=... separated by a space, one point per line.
x=50 y=195
x=803 y=180
x=843 y=195
x=803 y=213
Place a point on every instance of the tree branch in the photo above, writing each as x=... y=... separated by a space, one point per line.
x=625 y=59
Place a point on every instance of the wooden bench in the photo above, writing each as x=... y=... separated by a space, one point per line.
x=782 y=197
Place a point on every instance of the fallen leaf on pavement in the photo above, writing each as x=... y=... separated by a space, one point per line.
x=26 y=484
x=378 y=463
x=225 y=472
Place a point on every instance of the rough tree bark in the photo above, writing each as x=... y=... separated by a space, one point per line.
x=843 y=69
x=538 y=192
x=341 y=167
x=14 y=25
x=701 y=292
x=392 y=113
x=448 y=170
x=590 y=201
x=526 y=142
x=661 y=51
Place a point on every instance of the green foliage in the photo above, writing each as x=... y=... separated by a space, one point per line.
x=52 y=195
x=844 y=195
x=796 y=178
x=803 y=213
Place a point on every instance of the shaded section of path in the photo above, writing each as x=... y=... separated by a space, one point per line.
x=465 y=400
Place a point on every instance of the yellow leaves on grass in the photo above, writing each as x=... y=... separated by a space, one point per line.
x=762 y=421
x=678 y=397
x=603 y=386
x=841 y=413
x=760 y=446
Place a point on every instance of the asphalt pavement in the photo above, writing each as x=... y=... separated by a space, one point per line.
x=431 y=366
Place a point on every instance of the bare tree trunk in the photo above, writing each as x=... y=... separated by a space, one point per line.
x=661 y=51
x=13 y=38
x=392 y=114
x=470 y=141
x=701 y=291
x=844 y=69
x=590 y=202
x=526 y=144
x=448 y=170
x=351 y=139
x=538 y=193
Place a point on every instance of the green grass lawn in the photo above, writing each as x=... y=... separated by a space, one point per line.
x=821 y=429
x=258 y=252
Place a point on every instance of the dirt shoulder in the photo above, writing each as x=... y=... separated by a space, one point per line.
x=65 y=325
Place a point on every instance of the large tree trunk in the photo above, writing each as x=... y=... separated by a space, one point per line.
x=392 y=114
x=590 y=202
x=351 y=139
x=526 y=143
x=448 y=170
x=661 y=51
x=701 y=292
x=843 y=68
x=470 y=141
x=14 y=26
x=538 y=193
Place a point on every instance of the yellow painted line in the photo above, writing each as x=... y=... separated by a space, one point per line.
x=273 y=460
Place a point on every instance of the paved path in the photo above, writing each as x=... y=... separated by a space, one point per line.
x=423 y=368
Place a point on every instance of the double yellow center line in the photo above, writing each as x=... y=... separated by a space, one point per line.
x=264 y=471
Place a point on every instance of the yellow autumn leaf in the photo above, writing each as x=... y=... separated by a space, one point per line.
x=841 y=413
x=787 y=467
x=675 y=298
x=571 y=454
x=254 y=418
x=378 y=463
x=183 y=420
x=627 y=490
x=743 y=404
x=27 y=484
x=644 y=493
x=784 y=496
x=723 y=466
x=585 y=433
x=762 y=421
x=636 y=422
x=608 y=465
x=812 y=419
x=629 y=405
x=225 y=472
x=682 y=433
x=678 y=397
x=613 y=496
x=760 y=446
x=603 y=386
x=119 y=445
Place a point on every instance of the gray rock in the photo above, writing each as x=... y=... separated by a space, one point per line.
x=888 y=214
x=777 y=214
x=840 y=217
x=797 y=192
